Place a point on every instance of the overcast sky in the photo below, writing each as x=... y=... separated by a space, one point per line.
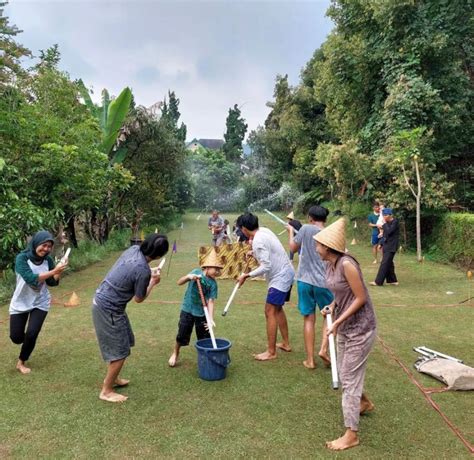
x=213 y=54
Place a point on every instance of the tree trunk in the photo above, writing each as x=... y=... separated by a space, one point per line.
x=71 y=230
x=418 y=214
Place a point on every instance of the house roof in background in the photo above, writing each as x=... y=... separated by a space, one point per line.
x=214 y=144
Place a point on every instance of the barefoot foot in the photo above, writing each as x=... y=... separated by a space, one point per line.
x=121 y=382
x=283 y=346
x=265 y=356
x=309 y=365
x=172 y=360
x=20 y=365
x=326 y=360
x=344 y=442
x=366 y=406
x=112 y=397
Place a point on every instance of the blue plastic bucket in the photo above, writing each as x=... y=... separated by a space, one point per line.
x=213 y=362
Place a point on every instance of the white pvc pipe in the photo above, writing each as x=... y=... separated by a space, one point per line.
x=209 y=325
x=441 y=355
x=65 y=257
x=279 y=220
x=332 y=354
x=157 y=270
x=231 y=298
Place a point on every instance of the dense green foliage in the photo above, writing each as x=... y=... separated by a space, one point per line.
x=67 y=162
x=452 y=239
x=214 y=179
x=386 y=68
x=234 y=135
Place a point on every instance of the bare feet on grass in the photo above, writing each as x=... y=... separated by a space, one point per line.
x=20 y=365
x=366 y=405
x=284 y=346
x=173 y=359
x=326 y=360
x=265 y=356
x=350 y=439
x=112 y=397
x=309 y=364
x=121 y=382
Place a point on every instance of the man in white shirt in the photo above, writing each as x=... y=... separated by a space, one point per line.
x=275 y=265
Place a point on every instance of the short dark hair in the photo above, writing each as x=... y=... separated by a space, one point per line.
x=318 y=213
x=249 y=221
x=155 y=245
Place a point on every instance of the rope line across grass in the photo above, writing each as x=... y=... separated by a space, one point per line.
x=426 y=393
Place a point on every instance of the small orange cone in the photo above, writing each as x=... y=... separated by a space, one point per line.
x=353 y=242
x=73 y=301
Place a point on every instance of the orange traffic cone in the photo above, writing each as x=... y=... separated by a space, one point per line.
x=73 y=301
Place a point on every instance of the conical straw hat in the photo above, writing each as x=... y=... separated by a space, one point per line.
x=73 y=301
x=290 y=215
x=333 y=236
x=212 y=260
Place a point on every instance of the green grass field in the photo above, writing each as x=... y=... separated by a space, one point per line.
x=275 y=409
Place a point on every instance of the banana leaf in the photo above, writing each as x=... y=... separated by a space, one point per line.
x=116 y=114
x=119 y=156
x=84 y=92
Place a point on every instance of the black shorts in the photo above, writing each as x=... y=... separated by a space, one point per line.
x=185 y=328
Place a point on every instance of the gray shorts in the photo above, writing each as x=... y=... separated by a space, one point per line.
x=114 y=333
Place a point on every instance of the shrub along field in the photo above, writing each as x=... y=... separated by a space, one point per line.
x=273 y=409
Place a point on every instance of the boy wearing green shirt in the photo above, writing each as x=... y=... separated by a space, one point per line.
x=192 y=311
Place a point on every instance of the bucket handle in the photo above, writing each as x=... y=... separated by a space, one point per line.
x=214 y=360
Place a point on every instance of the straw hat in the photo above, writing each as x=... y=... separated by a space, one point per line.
x=212 y=260
x=333 y=236
x=290 y=215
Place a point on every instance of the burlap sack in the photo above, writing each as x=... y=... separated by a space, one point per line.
x=455 y=375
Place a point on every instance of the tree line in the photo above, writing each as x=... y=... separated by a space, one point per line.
x=384 y=104
x=69 y=163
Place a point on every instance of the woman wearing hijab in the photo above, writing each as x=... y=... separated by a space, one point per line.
x=31 y=300
x=130 y=278
x=354 y=323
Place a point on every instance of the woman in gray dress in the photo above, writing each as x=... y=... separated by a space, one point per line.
x=354 y=323
x=130 y=278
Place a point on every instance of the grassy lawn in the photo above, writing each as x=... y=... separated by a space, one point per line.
x=274 y=409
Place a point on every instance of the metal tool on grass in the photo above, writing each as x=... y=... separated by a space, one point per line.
x=206 y=312
x=332 y=352
x=234 y=291
x=279 y=219
x=429 y=353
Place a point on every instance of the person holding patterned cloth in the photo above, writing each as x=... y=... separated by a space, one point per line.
x=355 y=326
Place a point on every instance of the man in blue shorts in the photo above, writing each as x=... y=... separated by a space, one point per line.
x=311 y=282
x=373 y=220
x=275 y=265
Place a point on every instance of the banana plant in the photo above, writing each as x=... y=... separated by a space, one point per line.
x=110 y=115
